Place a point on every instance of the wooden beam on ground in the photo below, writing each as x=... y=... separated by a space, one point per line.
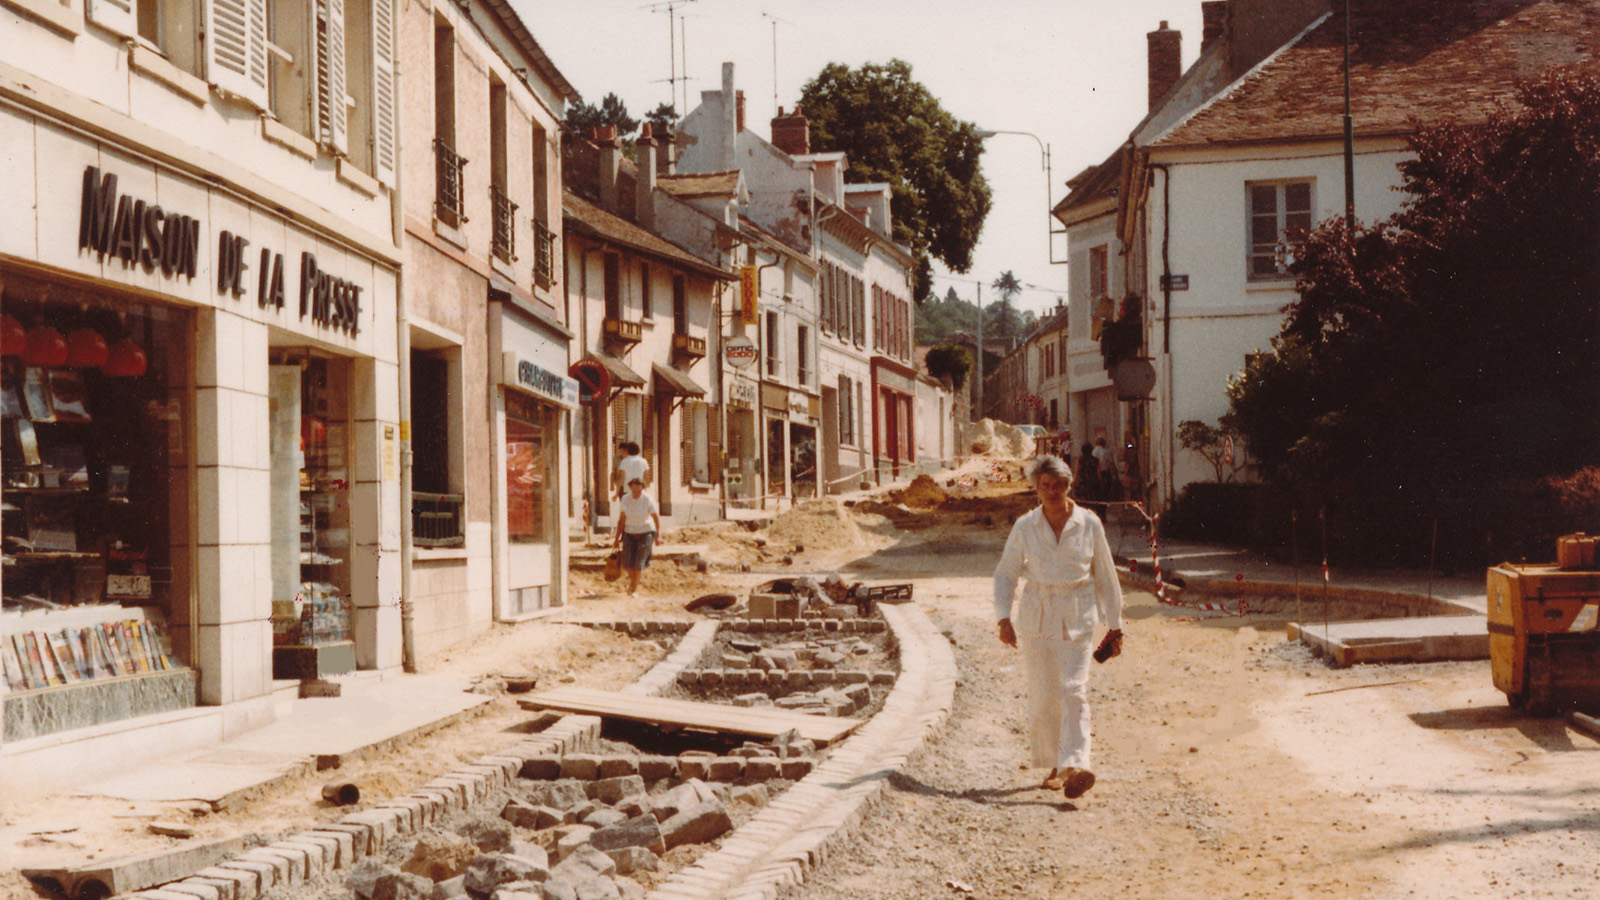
x=757 y=722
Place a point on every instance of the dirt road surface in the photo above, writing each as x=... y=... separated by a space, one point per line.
x=1231 y=764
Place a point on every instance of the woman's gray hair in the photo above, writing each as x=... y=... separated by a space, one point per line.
x=1049 y=464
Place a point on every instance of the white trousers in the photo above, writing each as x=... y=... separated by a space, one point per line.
x=1058 y=699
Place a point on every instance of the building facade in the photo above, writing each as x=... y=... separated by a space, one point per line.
x=486 y=332
x=198 y=276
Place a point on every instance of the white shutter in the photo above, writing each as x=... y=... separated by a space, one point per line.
x=236 y=48
x=116 y=16
x=384 y=137
x=332 y=104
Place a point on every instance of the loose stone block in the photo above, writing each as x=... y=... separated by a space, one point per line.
x=697 y=824
x=611 y=790
x=655 y=768
x=726 y=768
x=694 y=767
x=521 y=813
x=541 y=768
x=798 y=767
x=570 y=838
x=633 y=859
x=763 y=769
x=616 y=766
x=489 y=871
x=603 y=816
x=753 y=795
x=583 y=766
x=639 y=831
x=583 y=863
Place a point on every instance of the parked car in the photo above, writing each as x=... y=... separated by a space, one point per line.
x=1043 y=441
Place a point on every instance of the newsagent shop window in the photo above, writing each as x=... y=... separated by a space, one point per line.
x=95 y=449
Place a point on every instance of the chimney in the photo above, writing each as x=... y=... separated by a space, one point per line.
x=792 y=133
x=605 y=137
x=729 y=143
x=739 y=103
x=667 y=150
x=644 y=185
x=1214 y=18
x=1166 y=61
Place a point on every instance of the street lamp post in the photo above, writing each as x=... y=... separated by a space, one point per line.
x=978 y=384
x=1044 y=164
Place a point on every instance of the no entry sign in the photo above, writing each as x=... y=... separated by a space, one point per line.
x=594 y=381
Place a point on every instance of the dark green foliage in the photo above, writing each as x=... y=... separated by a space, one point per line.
x=1216 y=513
x=950 y=359
x=663 y=115
x=612 y=111
x=895 y=131
x=1443 y=365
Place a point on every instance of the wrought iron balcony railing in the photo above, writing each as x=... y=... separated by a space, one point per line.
x=503 y=239
x=448 y=200
x=544 y=270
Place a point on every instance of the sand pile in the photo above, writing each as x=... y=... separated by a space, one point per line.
x=923 y=493
x=816 y=524
x=987 y=437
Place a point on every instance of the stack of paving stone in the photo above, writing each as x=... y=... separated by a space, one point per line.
x=559 y=839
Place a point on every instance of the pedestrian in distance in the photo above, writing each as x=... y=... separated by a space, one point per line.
x=638 y=523
x=632 y=465
x=1059 y=548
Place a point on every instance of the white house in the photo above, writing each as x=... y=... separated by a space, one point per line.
x=1244 y=151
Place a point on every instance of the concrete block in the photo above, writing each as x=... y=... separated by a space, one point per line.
x=290 y=867
x=337 y=848
x=195 y=890
x=265 y=874
x=360 y=837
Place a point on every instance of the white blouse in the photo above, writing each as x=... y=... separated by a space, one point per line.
x=1072 y=582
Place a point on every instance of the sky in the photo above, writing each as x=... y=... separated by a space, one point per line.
x=1071 y=72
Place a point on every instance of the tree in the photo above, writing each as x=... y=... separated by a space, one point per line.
x=952 y=360
x=895 y=131
x=1008 y=286
x=1208 y=441
x=1454 y=348
x=612 y=111
x=663 y=116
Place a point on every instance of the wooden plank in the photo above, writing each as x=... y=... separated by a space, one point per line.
x=760 y=722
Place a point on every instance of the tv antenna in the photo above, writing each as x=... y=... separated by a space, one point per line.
x=670 y=7
x=775 y=21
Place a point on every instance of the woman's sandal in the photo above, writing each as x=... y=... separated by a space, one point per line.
x=1055 y=781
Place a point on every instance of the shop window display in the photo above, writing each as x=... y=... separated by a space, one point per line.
x=311 y=511
x=94 y=463
x=527 y=476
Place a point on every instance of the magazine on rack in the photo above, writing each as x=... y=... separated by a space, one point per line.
x=36 y=391
x=68 y=397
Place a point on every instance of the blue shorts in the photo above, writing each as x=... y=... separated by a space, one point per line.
x=636 y=549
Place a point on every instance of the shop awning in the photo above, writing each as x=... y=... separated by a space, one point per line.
x=675 y=382
x=621 y=375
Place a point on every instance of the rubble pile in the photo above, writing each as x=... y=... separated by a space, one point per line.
x=575 y=837
x=987 y=437
x=922 y=493
x=816 y=524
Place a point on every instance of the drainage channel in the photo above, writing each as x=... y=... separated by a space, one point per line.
x=600 y=808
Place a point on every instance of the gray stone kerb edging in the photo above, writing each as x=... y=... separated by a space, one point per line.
x=770 y=849
x=794 y=833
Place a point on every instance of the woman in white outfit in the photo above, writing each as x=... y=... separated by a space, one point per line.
x=1060 y=548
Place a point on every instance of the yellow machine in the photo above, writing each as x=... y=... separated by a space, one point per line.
x=1544 y=648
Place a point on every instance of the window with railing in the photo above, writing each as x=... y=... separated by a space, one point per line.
x=503 y=238
x=544 y=270
x=436 y=520
x=447 y=204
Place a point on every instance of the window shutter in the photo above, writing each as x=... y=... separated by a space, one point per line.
x=686 y=446
x=236 y=48
x=384 y=132
x=648 y=413
x=332 y=103
x=714 y=444
x=115 y=16
x=860 y=303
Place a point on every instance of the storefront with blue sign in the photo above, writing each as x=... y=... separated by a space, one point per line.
x=532 y=493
